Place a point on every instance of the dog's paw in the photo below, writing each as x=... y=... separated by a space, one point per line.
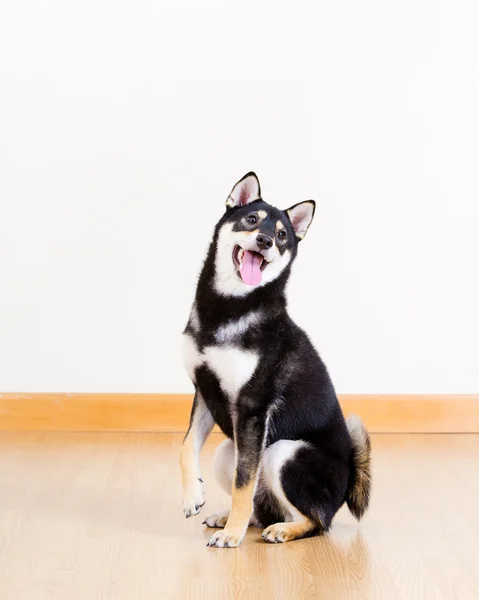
x=225 y=539
x=193 y=499
x=278 y=533
x=217 y=519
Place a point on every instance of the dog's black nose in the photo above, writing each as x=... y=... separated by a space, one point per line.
x=264 y=241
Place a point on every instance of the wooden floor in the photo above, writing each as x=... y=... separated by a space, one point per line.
x=97 y=516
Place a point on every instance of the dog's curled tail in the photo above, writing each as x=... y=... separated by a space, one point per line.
x=359 y=488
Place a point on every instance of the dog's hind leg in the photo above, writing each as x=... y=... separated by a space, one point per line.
x=217 y=520
x=296 y=524
x=296 y=475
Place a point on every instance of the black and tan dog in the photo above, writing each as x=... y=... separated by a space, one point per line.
x=290 y=460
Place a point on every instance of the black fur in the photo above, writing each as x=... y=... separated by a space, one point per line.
x=290 y=384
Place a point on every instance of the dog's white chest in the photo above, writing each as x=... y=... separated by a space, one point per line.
x=232 y=366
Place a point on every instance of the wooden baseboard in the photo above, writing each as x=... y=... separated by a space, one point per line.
x=170 y=412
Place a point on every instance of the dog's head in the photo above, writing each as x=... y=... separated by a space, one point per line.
x=256 y=242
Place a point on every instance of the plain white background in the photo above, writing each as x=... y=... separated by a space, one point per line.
x=123 y=126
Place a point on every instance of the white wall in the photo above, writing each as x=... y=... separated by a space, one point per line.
x=123 y=126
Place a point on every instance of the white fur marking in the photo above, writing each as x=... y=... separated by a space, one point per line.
x=192 y=357
x=227 y=280
x=274 y=458
x=277 y=406
x=236 y=327
x=202 y=424
x=232 y=366
x=225 y=465
x=276 y=266
x=194 y=319
x=356 y=431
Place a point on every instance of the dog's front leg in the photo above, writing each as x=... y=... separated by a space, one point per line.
x=201 y=424
x=249 y=432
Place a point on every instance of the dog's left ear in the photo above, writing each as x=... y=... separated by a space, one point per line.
x=301 y=216
x=245 y=191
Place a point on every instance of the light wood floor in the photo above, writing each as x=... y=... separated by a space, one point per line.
x=97 y=516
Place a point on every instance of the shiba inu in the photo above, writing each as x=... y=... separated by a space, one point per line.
x=290 y=459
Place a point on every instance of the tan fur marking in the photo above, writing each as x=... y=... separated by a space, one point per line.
x=285 y=532
x=262 y=214
x=218 y=520
x=193 y=495
x=239 y=518
x=242 y=507
x=188 y=462
x=279 y=226
x=201 y=426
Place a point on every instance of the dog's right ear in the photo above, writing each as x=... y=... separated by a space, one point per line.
x=245 y=191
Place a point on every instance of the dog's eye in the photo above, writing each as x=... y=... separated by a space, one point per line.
x=252 y=219
x=281 y=234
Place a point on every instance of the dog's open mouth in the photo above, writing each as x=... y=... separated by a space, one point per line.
x=250 y=265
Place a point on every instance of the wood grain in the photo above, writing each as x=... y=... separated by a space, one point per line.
x=88 y=515
x=384 y=413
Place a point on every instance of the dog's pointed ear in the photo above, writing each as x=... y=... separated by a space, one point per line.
x=245 y=191
x=301 y=216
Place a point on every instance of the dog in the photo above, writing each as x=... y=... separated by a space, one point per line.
x=290 y=459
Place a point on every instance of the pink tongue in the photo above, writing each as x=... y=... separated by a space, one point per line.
x=250 y=269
